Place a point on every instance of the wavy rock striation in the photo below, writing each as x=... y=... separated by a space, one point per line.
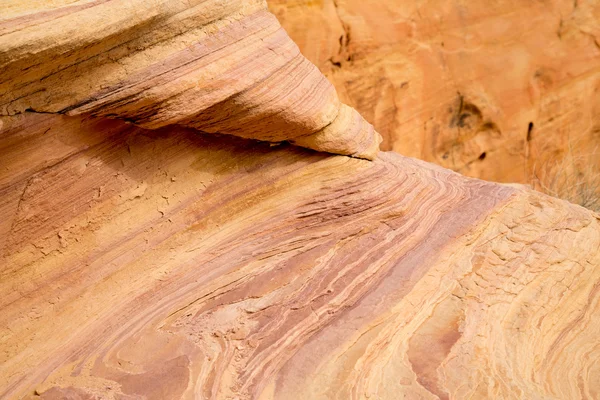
x=164 y=264
x=217 y=66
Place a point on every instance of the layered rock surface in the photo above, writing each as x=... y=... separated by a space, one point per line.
x=492 y=90
x=217 y=66
x=166 y=263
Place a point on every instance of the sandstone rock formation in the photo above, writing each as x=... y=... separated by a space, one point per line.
x=165 y=263
x=217 y=66
x=490 y=89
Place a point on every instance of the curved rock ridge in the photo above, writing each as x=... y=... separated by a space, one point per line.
x=164 y=264
x=217 y=66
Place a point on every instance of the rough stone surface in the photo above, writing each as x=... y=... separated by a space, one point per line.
x=494 y=90
x=165 y=263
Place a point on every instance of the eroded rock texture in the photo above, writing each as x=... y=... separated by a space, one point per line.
x=165 y=264
x=217 y=66
x=157 y=262
x=490 y=89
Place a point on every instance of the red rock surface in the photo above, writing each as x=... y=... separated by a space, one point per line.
x=492 y=90
x=168 y=263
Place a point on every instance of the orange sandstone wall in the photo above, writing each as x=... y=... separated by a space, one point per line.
x=489 y=89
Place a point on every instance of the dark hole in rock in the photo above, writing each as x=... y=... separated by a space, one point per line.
x=530 y=132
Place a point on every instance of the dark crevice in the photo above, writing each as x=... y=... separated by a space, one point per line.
x=530 y=132
x=335 y=63
x=344 y=40
x=31 y=110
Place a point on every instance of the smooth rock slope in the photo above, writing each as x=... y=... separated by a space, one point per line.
x=167 y=263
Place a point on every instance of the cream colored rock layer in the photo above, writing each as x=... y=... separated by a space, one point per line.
x=167 y=264
x=217 y=66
